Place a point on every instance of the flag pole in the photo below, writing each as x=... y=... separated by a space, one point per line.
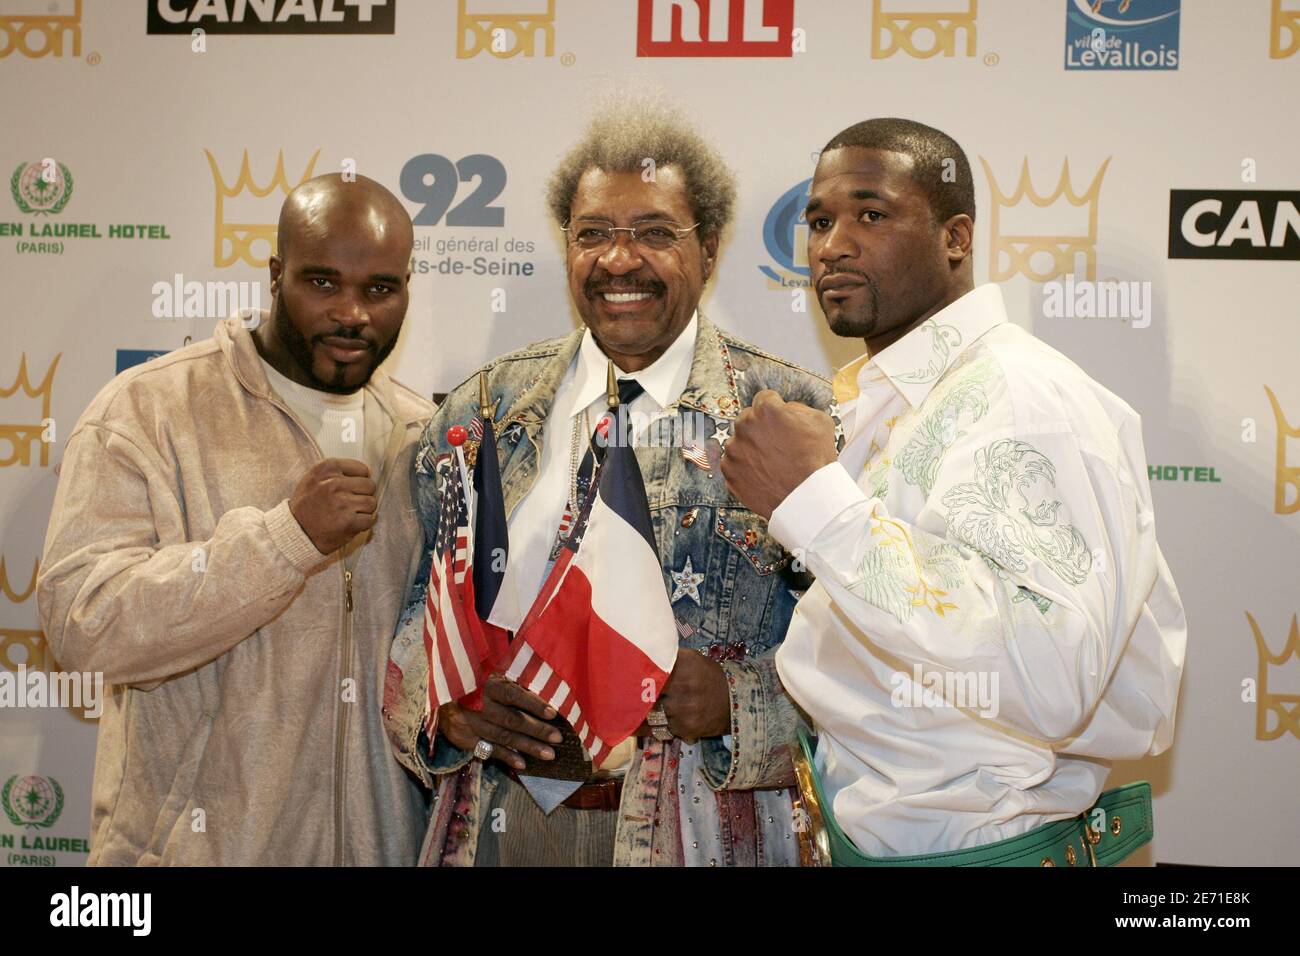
x=484 y=413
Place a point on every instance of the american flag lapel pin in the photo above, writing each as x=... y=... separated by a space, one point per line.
x=697 y=455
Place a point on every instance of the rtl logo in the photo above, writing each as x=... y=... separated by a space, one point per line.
x=714 y=27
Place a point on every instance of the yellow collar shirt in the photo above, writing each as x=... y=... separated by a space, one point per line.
x=992 y=620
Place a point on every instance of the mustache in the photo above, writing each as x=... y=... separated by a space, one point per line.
x=345 y=333
x=842 y=271
x=595 y=287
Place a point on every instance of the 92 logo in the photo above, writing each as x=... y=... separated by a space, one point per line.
x=433 y=181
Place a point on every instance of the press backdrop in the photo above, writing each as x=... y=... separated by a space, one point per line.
x=142 y=156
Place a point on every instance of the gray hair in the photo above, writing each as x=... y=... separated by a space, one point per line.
x=620 y=138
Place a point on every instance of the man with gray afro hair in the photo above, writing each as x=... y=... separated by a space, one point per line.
x=642 y=137
x=706 y=779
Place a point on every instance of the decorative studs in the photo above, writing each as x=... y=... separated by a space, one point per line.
x=1069 y=854
x=1114 y=826
x=1047 y=861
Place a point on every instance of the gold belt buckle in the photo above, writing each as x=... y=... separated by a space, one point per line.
x=1089 y=839
x=810 y=828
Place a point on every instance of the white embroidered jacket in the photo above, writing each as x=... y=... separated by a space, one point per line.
x=992 y=620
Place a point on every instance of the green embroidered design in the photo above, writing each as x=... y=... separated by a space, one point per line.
x=920 y=458
x=1008 y=513
x=896 y=576
x=1040 y=602
x=878 y=481
x=944 y=338
x=1021 y=593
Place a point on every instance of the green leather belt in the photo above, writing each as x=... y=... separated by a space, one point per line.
x=1124 y=815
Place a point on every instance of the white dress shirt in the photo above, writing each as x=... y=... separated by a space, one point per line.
x=992 y=620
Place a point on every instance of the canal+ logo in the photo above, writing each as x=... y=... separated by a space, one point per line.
x=785 y=234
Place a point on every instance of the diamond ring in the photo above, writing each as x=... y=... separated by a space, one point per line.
x=658 y=722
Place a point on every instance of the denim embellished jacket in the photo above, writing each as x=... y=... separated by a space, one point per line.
x=703 y=803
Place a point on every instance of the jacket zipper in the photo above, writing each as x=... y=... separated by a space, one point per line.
x=345 y=666
x=341 y=724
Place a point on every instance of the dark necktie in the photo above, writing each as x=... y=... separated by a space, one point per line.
x=628 y=391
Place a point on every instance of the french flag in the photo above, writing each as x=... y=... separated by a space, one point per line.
x=601 y=639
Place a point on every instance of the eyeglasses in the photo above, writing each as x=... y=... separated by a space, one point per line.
x=655 y=235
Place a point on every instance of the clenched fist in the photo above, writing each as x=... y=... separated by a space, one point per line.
x=334 y=502
x=774 y=446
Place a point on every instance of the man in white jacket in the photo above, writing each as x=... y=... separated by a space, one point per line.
x=992 y=621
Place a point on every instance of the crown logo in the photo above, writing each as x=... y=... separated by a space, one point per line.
x=486 y=31
x=891 y=32
x=19 y=646
x=1286 y=474
x=1283 y=25
x=1285 y=707
x=22 y=437
x=241 y=235
x=1020 y=249
x=18 y=30
x=6 y=588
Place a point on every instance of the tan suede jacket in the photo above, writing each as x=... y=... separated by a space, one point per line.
x=248 y=669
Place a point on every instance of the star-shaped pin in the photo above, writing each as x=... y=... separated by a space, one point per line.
x=513 y=433
x=722 y=435
x=686 y=583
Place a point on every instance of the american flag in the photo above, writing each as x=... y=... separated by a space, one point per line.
x=453 y=634
x=566 y=522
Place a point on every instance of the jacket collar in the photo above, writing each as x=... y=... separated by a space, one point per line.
x=534 y=402
x=916 y=362
x=663 y=379
x=235 y=339
x=710 y=388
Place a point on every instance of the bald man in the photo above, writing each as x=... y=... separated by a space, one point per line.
x=231 y=542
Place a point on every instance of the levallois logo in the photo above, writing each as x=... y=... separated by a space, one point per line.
x=1121 y=34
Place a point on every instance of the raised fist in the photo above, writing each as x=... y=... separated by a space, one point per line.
x=334 y=502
